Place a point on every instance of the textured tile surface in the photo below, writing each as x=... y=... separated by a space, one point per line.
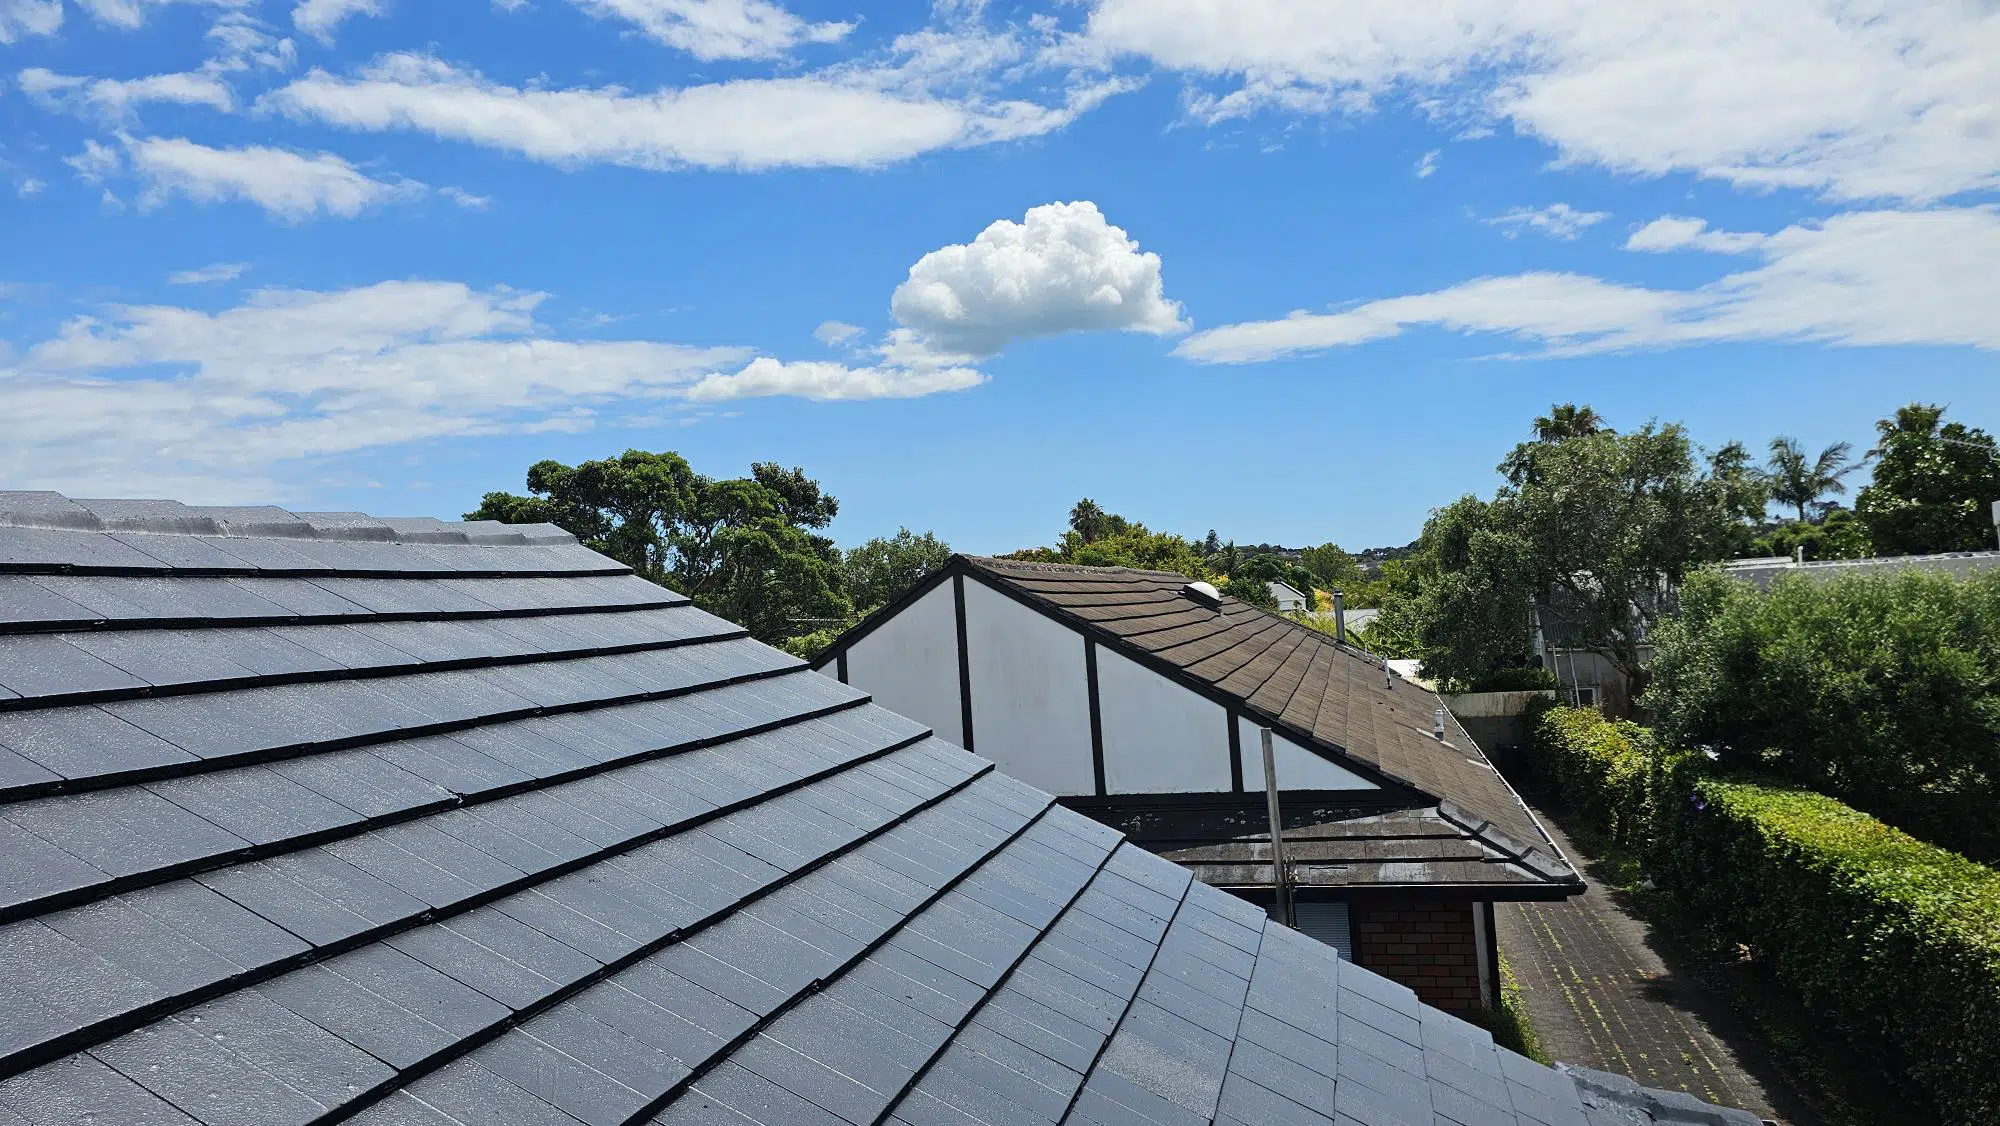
x=312 y=817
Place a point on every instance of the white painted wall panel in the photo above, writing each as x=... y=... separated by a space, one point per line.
x=1298 y=768
x=1030 y=694
x=1159 y=738
x=910 y=664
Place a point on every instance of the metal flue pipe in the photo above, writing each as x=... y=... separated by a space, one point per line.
x=1281 y=871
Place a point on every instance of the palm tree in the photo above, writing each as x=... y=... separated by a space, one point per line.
x=1567 y=420
x=1087 y=520
x=1800 y=483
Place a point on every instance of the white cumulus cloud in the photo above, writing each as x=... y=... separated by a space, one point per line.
x=1857 y=99
x=319 y=18
x=1676 y=232
x=1859 y=278
x=286 y=184
x=1061 y=269
x=1557 y=220
x=208 y=275
x=719 y=29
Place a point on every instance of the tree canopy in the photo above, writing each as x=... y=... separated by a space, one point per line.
x=747 y=549
x=1799 y=481
x=877 y=572
x=1594 y=529
x=1933 y=487
x=1114 y=541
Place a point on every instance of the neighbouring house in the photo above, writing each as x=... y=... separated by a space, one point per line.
x=1138 y=698
x=312 y=817
x=1958 y=564
x=1359 y=619
x=1290 y=600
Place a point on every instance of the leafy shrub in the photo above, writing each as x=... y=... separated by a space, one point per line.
x=1883 y=691
x=1603 y=769
x=1894 y=941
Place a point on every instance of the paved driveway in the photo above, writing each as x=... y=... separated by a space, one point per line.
x=1601 y=995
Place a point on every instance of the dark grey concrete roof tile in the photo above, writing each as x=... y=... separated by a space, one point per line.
x=85 y=742
x=37 y=664
x=23 y=601
x=123 y=831
x=761 y=1100
x=83 y=1089
x=469 y=1093
x=1403 y=1104
x=1244 y=1100
x=369 y=1021
x=558 y=1078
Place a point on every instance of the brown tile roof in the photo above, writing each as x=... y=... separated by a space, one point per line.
x=1296 y=679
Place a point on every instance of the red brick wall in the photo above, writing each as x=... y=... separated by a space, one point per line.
x=1424 y=944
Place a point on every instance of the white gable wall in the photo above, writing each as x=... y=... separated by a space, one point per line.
x=1298 y=768
x=1031 y=703
x=910 y=664
x=1030 y=693
x=1159 y=738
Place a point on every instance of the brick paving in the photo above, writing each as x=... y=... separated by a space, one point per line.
x=1600 y=995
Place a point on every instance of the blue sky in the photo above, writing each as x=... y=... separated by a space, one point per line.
x=966 y=264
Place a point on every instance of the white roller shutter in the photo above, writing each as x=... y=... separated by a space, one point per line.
x=1326 y=921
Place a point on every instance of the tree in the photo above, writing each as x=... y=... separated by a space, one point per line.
x=879 y=571
x=1087 y=520
x=1212 y=544
x=1567 y=420
x=746 y=549
x=1839 y=534
x=1800 y=483
x=1746 y=491
x=1244 y=588
x=1122 y=543
x=1331 y=568
x=1934 y=482
x=1563 y=422
x=1598 y=530
x=1475 y=578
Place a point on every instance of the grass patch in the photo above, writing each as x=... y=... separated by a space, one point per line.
x=1510 y=1025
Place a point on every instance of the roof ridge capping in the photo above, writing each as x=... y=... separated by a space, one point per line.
x=1539 y=859
x=1603 y=1090
x=1001 y=562
x=42 y=509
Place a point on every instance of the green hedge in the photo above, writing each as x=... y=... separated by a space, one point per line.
x=1894 y=941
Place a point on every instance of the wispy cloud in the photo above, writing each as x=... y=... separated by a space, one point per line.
x=1860 y=278
x=1557 y=220
x=209 y=275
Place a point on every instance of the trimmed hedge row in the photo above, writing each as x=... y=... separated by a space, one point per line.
x=1894 y=941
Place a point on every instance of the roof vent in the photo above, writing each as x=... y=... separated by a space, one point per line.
x=1203 y=593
